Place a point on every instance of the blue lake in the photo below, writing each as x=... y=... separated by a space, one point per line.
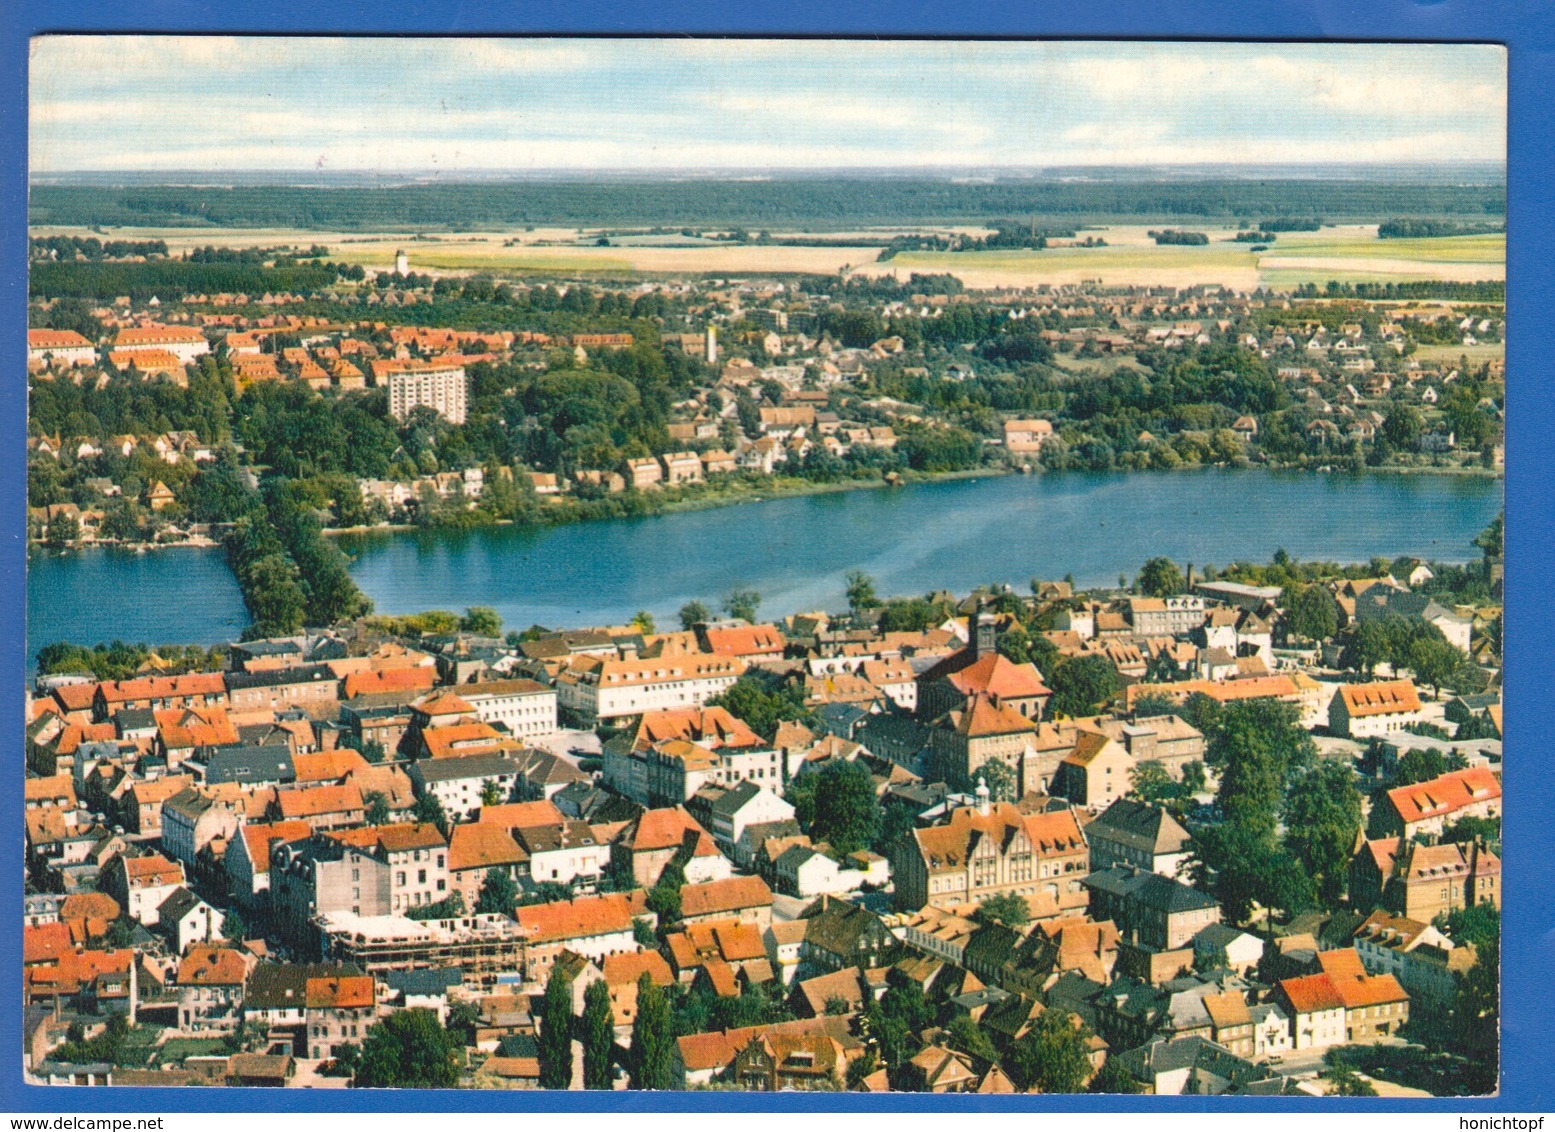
x=795 y=552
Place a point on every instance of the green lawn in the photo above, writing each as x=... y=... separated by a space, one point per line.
x=176 y=1049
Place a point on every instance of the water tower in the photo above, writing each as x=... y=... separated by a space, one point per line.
x=401 y=263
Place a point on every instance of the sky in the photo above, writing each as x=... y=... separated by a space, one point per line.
x=397 y=106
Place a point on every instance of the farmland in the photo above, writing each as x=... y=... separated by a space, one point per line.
x=1348 y=253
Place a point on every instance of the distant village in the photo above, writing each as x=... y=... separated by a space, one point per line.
x=820 y=380
x=1196 y=836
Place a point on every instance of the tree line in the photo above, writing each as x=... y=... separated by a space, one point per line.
x=803 y=201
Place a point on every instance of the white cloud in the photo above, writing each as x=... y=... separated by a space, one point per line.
x=177 y=102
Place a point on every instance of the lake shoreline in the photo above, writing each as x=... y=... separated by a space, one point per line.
x=797 y=488
x=956 y=533
x=781 y=488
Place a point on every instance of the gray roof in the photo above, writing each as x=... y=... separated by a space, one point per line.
x=735 y=798
x=135 y=719
x=1139 y=825
x=465 y=766
x=757 y=832
x=273 y=986
x=431 y=981
x=249 y=764
x=277 y=677
x=840 y=720
x=1149 y=889
x=1218 y=935
x=1146 y=1062
x=268 y=647
x=179 y=903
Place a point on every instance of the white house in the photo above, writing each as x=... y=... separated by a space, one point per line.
x=594 y=688
x=524 y=707
x=1365 y=711
x=459 y=781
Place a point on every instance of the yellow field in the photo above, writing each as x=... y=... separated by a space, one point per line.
x=1478 y=354
x=1350 y=253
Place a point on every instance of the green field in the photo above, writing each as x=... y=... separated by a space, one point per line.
x=1488 y=249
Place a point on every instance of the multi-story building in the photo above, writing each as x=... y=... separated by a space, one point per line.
x=184 y=342
x=1149 y=909
x=1429 y=807
x=1342 y=1004
x=1366 y=711
x=431 y=384
x=1167 y=739
x=980 y=670
x=565 y=852
x=595 y=689
x=991 y=850
x=1425 y=962
x=1138 y=834
x=483 y=945
x=320 y=875
x=59 y=347
x=524 y=707
x=340 y=1009
x=677 y=769
x=590 y=926
x=460 y=782
x=195 y=817
x=415 y=855
x=210 y=988
x=1422 y=882
x=1165 y=616
x=964 y=739
x=657 y=837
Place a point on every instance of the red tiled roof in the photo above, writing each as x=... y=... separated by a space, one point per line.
x=521 y=815
x=666 y=829
x=152 y=869
x=1312 y=993
x=576 y=919
x=388 y=680
x=746 y=640
x=46 y=339
x=626 y=968
x=997 y=675
x=132 y=336
x=164 y=687
x=1443 y=795
x=182 y=728
x=207 y=966
x=340 y=992
x=729 y=895
x=713 y=727
x=1384 y=697
x=328 y=766
x=311 y=801
x=478 y=845
x=46 y=943
x=984 y=717
x=258 y=838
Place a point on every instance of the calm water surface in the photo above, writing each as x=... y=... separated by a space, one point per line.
x=795 y=552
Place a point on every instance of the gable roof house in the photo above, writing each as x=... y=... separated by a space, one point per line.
x=1096 y=773
x=1363 y=711
x=1428 y=807
x=994 y=850
x=1148 y=908
x=1131 y=832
